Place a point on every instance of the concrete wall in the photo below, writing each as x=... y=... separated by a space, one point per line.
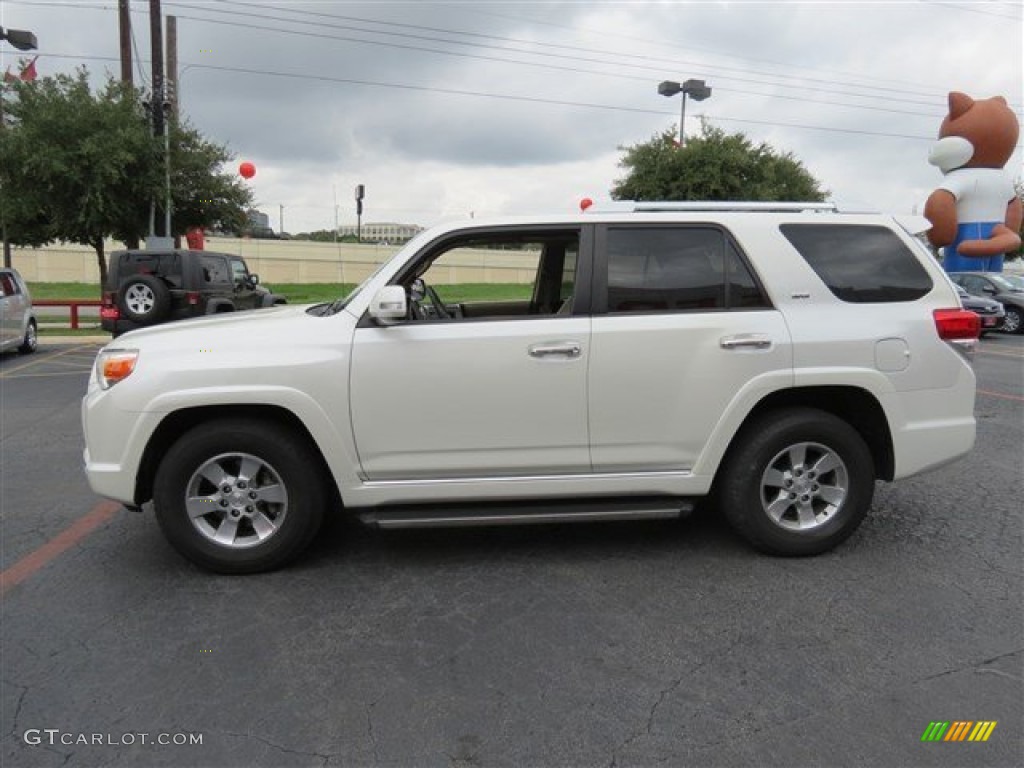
x=290 y=261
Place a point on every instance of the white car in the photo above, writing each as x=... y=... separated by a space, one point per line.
x=18 y=325
x=779 y=357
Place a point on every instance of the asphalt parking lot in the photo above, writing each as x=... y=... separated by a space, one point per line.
x=640 y=644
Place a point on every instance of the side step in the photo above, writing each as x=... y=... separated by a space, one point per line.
x=524 y=513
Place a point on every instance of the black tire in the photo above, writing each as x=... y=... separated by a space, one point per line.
x=797 y=482
x=1013 y=321
x=31 y=340
x=267 y=508
x=144 y=299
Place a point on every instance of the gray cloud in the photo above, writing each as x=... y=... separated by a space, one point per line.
x=773 y=66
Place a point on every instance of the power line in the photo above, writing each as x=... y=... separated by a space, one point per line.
x=559 y=46
x=509 y=97
x=618 y=75
x=459 y=54
x=604 y=34
x=577 y=70
x=961 y=7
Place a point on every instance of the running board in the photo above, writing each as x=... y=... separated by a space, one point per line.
x=451 y=516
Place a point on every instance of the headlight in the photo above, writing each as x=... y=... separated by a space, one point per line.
x=115 y=365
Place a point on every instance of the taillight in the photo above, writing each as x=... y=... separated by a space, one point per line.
x=959 y=328
x=108 y=309
x=956 y=324
x=193 y=297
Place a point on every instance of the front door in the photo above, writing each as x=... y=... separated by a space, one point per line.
x=487 y=375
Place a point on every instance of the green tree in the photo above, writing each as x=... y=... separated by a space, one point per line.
x=80 y=167
x=713 y=166
x=74 y=162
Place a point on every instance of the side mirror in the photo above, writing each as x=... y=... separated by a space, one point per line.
x=389 y=305
x=989 y=290
x=254 y=279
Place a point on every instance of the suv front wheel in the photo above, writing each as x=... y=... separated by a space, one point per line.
x=236 y=496
x=798 y=482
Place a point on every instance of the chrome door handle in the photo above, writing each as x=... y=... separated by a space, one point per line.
x=568 y=349
x=745 y=341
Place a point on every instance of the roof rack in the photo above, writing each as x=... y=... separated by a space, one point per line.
x=621 y=206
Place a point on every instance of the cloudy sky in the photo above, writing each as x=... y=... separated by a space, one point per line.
x=450 y=109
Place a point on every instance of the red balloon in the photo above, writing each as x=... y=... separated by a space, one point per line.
x=585 y=203
x=247 y=170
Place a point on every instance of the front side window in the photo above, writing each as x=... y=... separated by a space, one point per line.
x=513 y=274
x=677 y=269
x=861 y=264
x=239 y=272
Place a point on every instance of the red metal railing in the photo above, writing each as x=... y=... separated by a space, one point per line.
x=74 y=304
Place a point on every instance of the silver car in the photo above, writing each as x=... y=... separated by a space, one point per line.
x=18 y=324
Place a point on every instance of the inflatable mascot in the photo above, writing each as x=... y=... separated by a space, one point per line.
x=975 y=212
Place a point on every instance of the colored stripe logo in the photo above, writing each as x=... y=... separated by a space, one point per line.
x=959 y=730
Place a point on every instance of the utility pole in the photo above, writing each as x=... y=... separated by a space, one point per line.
x=124 y=19
x=172 y=65
x=280 y=221
x=156 y=111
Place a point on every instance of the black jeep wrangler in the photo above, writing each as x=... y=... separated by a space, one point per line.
x=149 y=287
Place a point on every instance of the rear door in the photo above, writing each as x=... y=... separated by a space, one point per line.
x=680 y=327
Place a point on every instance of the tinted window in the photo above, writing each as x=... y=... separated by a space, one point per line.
x=10 y=288
x=860 y=264
x=238 y=271
x=215 y=270
x=743 y=290
x=673 y=269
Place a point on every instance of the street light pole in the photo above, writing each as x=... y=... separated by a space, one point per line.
x=695 y=89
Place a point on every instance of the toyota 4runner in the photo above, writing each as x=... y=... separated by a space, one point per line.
x=779 y=358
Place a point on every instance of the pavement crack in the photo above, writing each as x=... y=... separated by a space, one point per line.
x=978 y=666
x=17 y=707
x=324 y=757
x=370 y=731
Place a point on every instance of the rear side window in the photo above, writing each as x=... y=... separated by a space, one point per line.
x=166 y=265
x=677 y=269
x=10 y=287
x=861 y=264
x=215 y=270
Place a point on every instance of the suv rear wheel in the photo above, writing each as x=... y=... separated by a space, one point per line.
x=239 y=497
x=798 y=482
x=144 y=299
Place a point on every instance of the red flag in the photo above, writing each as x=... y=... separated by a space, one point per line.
x=28 y=74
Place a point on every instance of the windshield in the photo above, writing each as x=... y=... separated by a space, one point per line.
x=1016 y=282
x=1003 y=283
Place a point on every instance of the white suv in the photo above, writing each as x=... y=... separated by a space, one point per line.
x=778 y=357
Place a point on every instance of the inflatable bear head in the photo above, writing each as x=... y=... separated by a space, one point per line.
x=975 y=134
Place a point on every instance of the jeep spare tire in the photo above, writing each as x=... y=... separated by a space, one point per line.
x=144 y=299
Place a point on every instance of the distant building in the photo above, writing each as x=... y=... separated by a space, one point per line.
x=258 y=219
x=385 y=232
